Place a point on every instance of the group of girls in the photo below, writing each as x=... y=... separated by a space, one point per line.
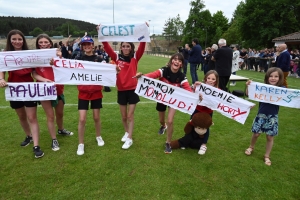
x=126 y=67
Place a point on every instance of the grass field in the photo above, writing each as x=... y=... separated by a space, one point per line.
x=144 y=171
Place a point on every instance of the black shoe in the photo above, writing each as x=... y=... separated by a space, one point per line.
x=27 y=141
x=64 y=132
x=168 y=148
x=107 y=89
x=38 y=153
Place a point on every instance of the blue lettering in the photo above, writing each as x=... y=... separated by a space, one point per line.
x=257 y=88
x=109 y=30
x=115 y=31
x=103 y=31
x=140 y=38
x=131 y=28
x=126 y=31
x=120 y=30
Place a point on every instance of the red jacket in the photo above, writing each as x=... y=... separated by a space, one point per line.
x=47 y=72
x=128 y=66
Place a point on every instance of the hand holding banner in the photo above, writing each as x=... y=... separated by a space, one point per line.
x=225 y=103
x=15 y=60
x=161 y=92
x=124 y=33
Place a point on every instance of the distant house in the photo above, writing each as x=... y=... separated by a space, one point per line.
x=292 y=39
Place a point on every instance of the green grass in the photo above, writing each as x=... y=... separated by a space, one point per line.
x=144 y=171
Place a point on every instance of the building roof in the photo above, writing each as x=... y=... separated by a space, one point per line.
x=288 y=38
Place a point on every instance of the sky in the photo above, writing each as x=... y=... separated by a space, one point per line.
x=155 y=12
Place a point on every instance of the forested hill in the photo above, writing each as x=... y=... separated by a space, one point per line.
x=51 y=26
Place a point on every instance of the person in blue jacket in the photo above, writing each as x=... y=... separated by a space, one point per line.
x=195 y=59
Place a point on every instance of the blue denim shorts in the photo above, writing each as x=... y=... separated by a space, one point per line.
x=265 y=124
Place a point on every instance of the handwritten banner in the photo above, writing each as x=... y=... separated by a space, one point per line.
x=15 y=60
x=124 y=33
x=79 y=72
x=30 y=91
x=167 y=94
x=225 y=103
x=274 y=95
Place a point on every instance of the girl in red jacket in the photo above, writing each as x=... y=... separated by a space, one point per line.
x=45 y=74
x=89 y=93
x=127 y=60
x=170 y=74
x=27 y=116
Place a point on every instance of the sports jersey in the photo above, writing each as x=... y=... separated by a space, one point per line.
x=166 y=75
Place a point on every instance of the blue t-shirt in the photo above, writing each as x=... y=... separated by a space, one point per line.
x=268 y=109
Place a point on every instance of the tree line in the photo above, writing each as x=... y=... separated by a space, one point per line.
x=254 y=23
x=51 y=26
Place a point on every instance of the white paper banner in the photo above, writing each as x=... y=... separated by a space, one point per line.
x=30 y=91
x=225 y=103
x=274 y=95
x=161 y=92
x=15 y=60
x=79 y=72
x=124 y=32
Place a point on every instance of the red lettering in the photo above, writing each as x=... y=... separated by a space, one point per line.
x=151 y=90
x=181 y=104
x=64 y=64
x=54 y=63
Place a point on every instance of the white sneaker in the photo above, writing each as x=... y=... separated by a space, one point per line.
x=124 y=138
x=202 y=150
x=127 y=143
x=100 y=141
x=80 y=150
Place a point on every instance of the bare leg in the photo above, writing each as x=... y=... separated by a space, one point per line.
x=59 y=112
x=21 y=112
x=254 y=139
x=97 y=121
x=32 y=119
x=269 y=145
x=130 y=119
x=81 y=125
x=47 y=106
x=161 y=117
x=171 y=114
x=123 y=111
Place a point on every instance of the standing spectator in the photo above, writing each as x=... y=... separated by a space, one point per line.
x=250 y=59
x=223 y=58
x=256 y=60
x=207 y=58
x=283 y=62
x=261 y=61
x=63 y=48
x=235 y=62
x=211 y=63
x=195 y=59
x=185 y=53
x=243 y=56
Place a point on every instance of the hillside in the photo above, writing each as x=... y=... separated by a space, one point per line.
x=48 y=25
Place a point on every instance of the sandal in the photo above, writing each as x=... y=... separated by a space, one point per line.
x=202 y=150
x=268 y=161
x=248 y=151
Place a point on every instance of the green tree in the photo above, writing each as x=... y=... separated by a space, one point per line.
x=262 y=21
x=36 y=31
x=219 y=23
x=173 y=29
x=198 y=23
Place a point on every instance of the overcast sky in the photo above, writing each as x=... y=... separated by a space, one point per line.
x=155 y=12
